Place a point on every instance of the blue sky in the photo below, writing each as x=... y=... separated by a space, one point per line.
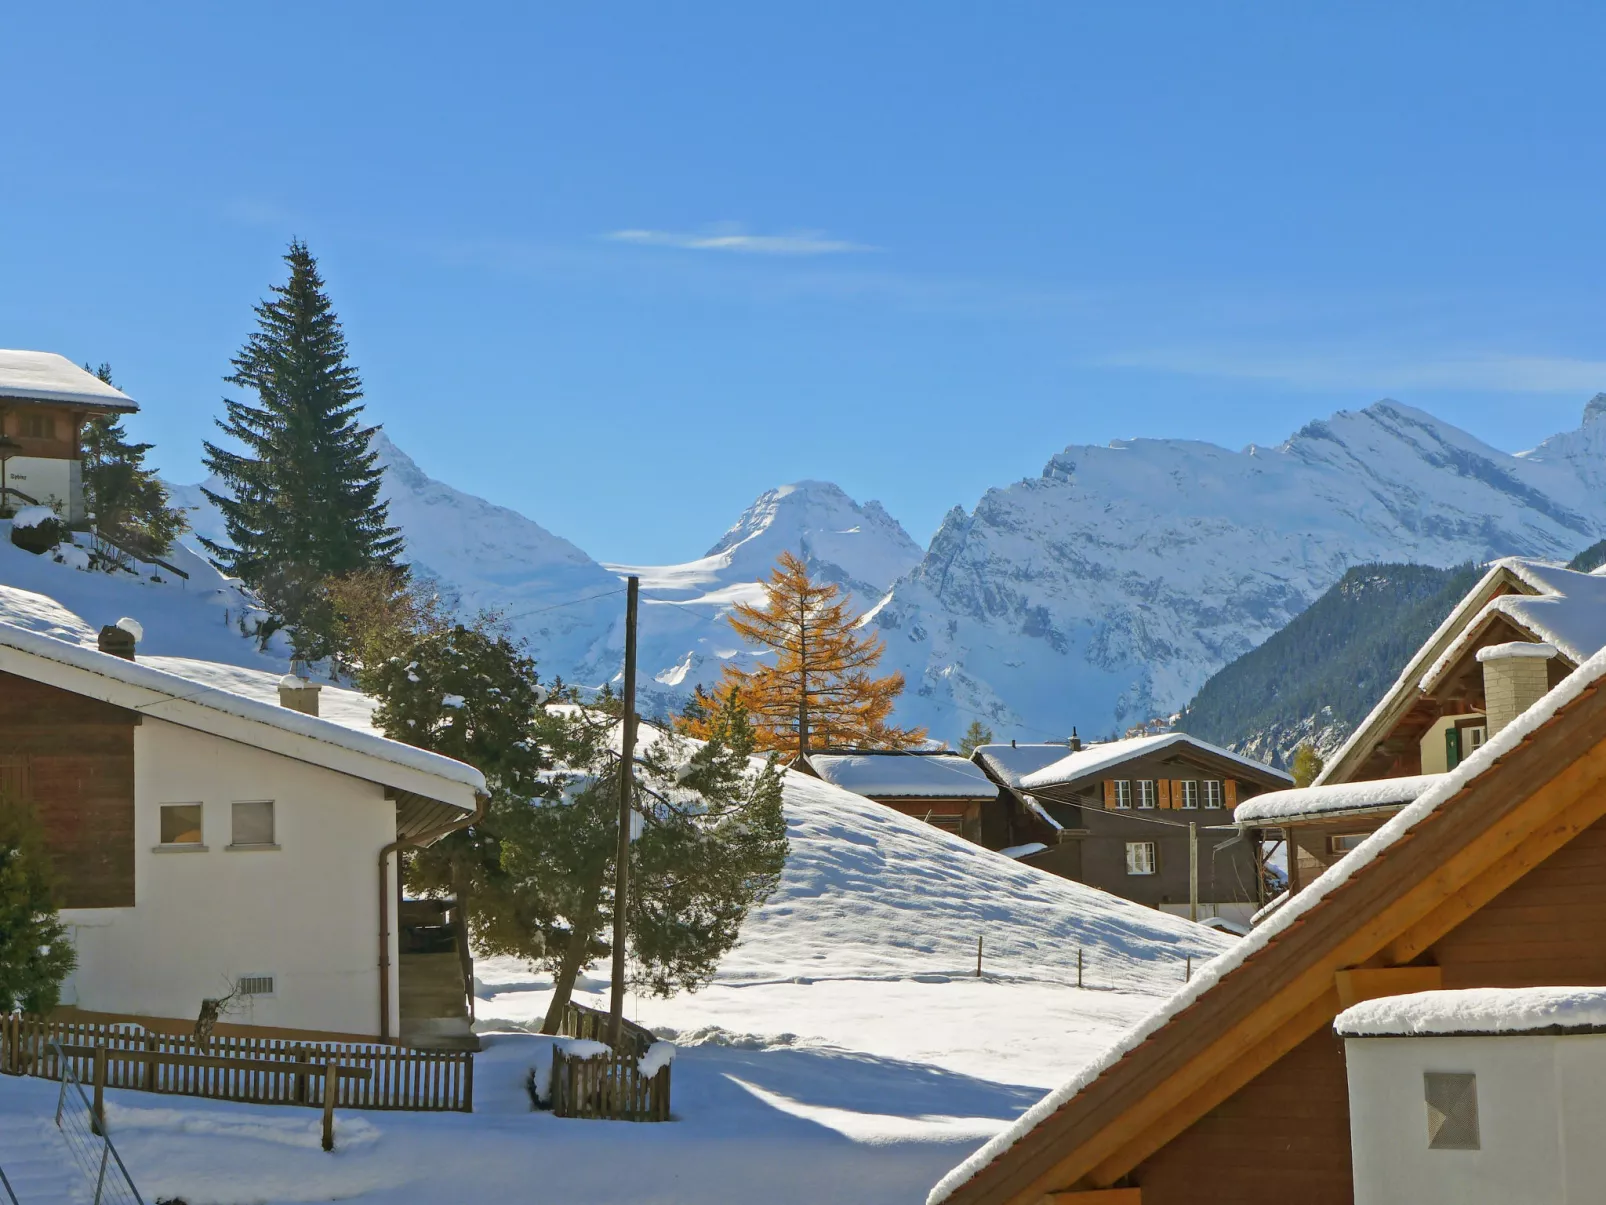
x=623 y=267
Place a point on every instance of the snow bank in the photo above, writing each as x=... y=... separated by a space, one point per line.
x=1446 y=788
x=1340 y=797
x=1477 y=1010
x=659 y=1055
x=32 y=516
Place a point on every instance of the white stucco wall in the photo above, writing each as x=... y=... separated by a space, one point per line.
x=306 y=913
x=53 y=482
x=1541 y=1112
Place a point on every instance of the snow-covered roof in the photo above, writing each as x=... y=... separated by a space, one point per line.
x=1566 y=610
x=1278 y=806
x=886 y=774
x=1502 y=744
x=1478 y=1010
x=1011 y=763
x=1096 y=758
x=196 y=704
x=43 y=376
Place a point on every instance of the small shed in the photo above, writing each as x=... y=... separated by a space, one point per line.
x=937 y=786
x=1477 y=1097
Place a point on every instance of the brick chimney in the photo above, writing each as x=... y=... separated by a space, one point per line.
x=119 y=642
x=299 y=694
x=1515 y=677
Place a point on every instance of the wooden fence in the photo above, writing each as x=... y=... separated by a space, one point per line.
x=608 y=1086
x=582 y=1022
x=256 y=1070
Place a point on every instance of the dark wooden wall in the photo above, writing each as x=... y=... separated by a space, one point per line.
x=1285 y=1136
x=72 y=758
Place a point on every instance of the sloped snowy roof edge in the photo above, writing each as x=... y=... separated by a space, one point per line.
x=45 y=376
x=1094 y=758
x=178 y=700
x=1478 y=1010
x=1335 y=876
x=1337 y=797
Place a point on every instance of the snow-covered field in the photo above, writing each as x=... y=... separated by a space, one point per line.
x=846 y=1051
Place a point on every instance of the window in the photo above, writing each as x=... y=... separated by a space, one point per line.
x=181 y=824
x=1475 y=738
x=1342 y=843
x=1123 y=793
x=1190 y=794
x=1140 y=857
x=253 y=823
x=38 y=426
x=1212 y=793
x=1452 y=1100
x=1145 y=792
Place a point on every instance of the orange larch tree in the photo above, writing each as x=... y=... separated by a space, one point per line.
x=818 y=692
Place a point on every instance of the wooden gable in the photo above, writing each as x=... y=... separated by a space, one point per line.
x=72 y=759
x=1503 y=885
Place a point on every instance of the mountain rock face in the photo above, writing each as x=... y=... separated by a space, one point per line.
x=1107 y=590
x=1100 y=594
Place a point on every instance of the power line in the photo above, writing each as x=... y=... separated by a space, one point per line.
x=573 y=602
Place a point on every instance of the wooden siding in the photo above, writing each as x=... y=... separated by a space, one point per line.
x=1284 y=1137
x=72 y=759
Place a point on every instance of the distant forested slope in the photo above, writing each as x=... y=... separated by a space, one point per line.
x=1320 y=676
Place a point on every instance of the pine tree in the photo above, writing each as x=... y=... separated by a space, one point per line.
x=818 y=692
x=976 y=735
x=302 y=500
x=1307 y=764
x=128 y=500
x=35 y=953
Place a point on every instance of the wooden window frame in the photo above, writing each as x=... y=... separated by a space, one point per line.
x=1152 y=795
x=1190 y=795
x=1123 y=794
x=1214 y=795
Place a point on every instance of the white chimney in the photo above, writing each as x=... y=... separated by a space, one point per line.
x=1515 y=677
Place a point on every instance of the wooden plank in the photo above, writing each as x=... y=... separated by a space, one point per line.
x=1370 y=983
x=1096 y=1196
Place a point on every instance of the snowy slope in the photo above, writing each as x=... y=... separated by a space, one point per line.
x=1107 y=590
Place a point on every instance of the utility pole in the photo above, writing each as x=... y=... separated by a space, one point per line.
x=1193 y=870
x=627 y=782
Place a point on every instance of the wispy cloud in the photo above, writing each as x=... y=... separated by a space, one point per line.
x=733 y=239
x=1492 y=371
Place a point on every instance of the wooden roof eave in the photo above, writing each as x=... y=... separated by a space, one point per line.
x=1518 y=812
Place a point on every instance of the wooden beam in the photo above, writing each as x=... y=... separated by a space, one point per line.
x=1371 y=983
x=1095 y=1196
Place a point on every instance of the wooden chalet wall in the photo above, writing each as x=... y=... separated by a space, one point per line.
x=72 y=758
x=1285 y=1136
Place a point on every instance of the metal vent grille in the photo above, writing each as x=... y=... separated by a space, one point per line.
x=255 y=985
x=1452 y=1099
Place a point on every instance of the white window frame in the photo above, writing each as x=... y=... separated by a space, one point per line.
x=1148 y=794
x=1123 y=794
x=1190 y=794
x=273 y=821
x=1213 y=794
x=181 y=846
x=1142 y=858
x=1342 y=843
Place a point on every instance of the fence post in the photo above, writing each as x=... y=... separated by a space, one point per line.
x=99 y=1126
x=1078 y=966
x=978 y=956
x=331 y=1085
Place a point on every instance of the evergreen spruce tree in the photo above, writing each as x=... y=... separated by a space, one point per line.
x=976 y=735
x=301 y=501
x=35 y=953
x=128 y=500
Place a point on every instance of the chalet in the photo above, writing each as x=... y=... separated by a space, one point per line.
x=1520 y=631
x=207 y=842
x=1149 y=818
x=45 y=402
x=937 y=786
x=1030 y=823
x=1237 y=1089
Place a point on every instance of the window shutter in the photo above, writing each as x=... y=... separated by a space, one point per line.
x=1229 y=791
x=1176 y=792
x=1109 y=793
x=1165 y=792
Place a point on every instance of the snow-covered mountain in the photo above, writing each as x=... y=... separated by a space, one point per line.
x=1101 y=593
x=1107 y=590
